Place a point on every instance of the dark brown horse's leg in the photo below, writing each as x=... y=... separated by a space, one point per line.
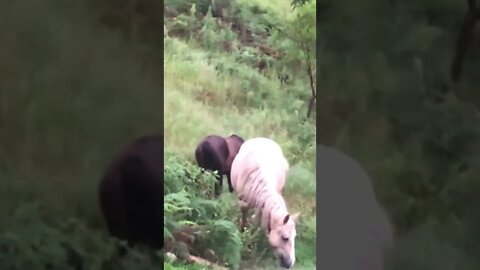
x=229 y=180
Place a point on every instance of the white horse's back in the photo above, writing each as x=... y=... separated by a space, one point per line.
x=259 y=156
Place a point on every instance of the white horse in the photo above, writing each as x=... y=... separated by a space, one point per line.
x=354 y=231
x=258 y=177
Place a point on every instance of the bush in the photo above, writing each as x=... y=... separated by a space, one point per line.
x=187 y=188
x=30 y=243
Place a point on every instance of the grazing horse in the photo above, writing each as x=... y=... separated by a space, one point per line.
x=217 y=153
x=258 y=177
x=131 y=193
x=354 y=232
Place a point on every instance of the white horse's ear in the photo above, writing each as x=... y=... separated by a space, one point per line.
x=286 y=218
x=295 y=216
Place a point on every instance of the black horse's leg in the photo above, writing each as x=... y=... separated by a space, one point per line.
x=229 y=180
x=218 y=184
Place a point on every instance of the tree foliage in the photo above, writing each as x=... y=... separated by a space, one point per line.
x=298 y=40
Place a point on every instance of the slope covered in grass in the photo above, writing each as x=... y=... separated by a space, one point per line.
x=188 y=120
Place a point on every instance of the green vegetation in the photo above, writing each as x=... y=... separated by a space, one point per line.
x=80 y=79
x=387 y=99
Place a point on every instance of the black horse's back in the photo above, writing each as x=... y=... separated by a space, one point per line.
x=211 y=154
x=131 y=193
x=208 y=157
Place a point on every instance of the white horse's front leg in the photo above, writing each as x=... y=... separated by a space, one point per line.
x=244 y=207
x=257 y=217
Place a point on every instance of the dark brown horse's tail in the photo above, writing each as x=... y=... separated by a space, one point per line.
x=143 y=201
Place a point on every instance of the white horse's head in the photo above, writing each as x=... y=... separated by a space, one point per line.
x=281 y=238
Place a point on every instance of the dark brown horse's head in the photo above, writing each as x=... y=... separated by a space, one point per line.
x=234 y=142
x=236 y=137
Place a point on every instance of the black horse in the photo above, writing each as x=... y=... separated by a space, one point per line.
x=217 y=153
x=131 y=193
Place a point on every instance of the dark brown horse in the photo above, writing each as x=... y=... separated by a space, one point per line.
x=217 y=153
x=131 y=193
